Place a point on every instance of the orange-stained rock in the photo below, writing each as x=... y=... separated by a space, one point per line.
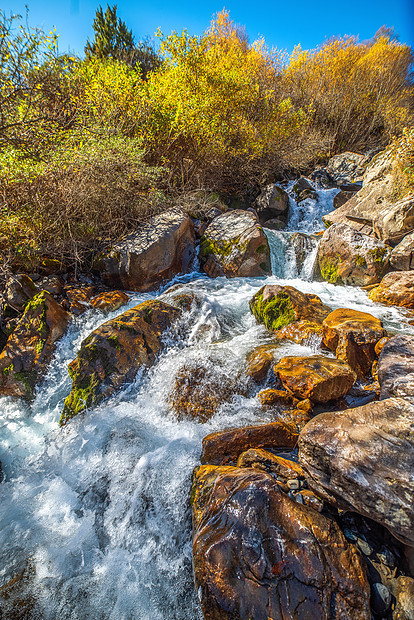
x=352 y=336
x=200 y=389
x=380 y=345
x=111 y=355
x=259 y=362
x=108 y=302
x=395 y=289
x=260 y=555
x=312 y=500
x=362 y=460
x=287 y=312
x=298 y=417
x=29 y=349
x=79 y=298
x=225 y=447
x=266 y=461
x=276 y=397
x=317 y=377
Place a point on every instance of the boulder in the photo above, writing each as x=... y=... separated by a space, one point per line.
x=19 y=290
x=276 y=223
x=346 y=256
x=200 y=389
x=303 y=190
x=395 y=220
x=362 y=460
x=317 y=377
x=346 y=167
x=29 y=349
x=266 y=461
x=352 y=336
x=342 y=197
x=157 y=251
x=78 y=298
x=258 y=554
x=288 y=313
x=259 y=361
x=272 y=202
x=234 y=245
x=225 y=447
x=395 y=289
x=111 y=355
x=402 y=256
x=271 y=397
x=396 y=367
x=321 y=178
x=110 y=301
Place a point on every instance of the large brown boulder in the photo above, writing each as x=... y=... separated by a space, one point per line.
x=110 y=356
x=346 y=256
x=224 y=447
x=156 y=252
x=29 y=349
x=258 y=554
x=396 y=367
x=395 y=289
x=362 y=460
x=287 y=312
x=352 y=336
x=234 y=245
x=109 y=301
x=316 y=377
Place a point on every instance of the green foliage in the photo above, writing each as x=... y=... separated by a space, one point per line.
x=112 y=37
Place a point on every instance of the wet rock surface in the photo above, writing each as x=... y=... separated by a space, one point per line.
x=396 y=368
x=317 y=377
x=346 y=256
x=235 y=245
x=30 y=347
x=110 y=356
x=154 y=253
x=362 y=459
x=225 y=447
x=259 y=554
x=272 y=202
x=287 y=312
x=395 y=289
x=109 y=301
x=352 y=336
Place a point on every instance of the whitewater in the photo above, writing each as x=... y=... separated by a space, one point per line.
x=97 y=513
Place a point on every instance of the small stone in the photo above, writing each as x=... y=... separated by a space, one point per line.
x=364 y=546
x=381 y=598
x=385 y=556
x=293 y=484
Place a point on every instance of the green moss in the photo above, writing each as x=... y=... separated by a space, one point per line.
x=264 y=266
x=378 y=254
x=80 y=398
x=327 y=223
x=274 y=313
x=8 y=370
x=329 y=270
x=224 y=248
x=28 y=378
x=360 y=260
x=114 y=342
x=262 y=249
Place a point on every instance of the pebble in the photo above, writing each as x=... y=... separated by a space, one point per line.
x=381 y=598
x=293 y=485
x=364 y=546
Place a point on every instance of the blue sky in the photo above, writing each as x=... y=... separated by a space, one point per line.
x=282 y=23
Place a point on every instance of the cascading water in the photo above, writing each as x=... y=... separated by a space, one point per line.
x=98 y=512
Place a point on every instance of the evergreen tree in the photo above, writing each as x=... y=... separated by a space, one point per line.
x=112 y=37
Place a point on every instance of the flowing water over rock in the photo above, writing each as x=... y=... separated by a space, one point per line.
x=99 y=510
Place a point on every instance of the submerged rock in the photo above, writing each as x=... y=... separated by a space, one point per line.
x=224 y=447
x=234 y=245
x=346 y=256
x=259 y=554
x=157 y=251
x=352 y=336
x=362 y=460
x=287 y=312
x=396 y=367
x=395 y=289
x=29 y=349
x=112 y=354
x=318 y=378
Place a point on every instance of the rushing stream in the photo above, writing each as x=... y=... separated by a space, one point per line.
x=99 y=510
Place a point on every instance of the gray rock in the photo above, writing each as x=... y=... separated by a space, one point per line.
x=381 y=598
x=396 y=368
x=234 y=245
x=303 y=189
x=346 y=256
x=402 y=256
x=362 y=460
x=346 y=167
x=157 y=251
x=272 y=201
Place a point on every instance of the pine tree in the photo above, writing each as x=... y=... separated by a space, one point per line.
x=112 y=37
